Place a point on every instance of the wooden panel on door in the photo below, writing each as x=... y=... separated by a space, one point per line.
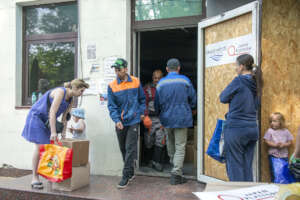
x=216 y=79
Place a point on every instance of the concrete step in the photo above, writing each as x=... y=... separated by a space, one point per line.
x=102 y=188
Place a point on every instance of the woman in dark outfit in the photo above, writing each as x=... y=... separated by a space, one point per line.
x=241 y=130
x=35 y=130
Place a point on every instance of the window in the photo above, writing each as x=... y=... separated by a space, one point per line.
x=50 y=48
x=162 y=9
x=157 y=14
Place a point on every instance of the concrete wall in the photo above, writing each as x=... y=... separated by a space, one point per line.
x=104 y=23
x=216 y=7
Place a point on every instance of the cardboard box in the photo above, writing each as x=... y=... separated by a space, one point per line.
x=80 y=151
x=190 y=134
x=189 y=153
x=195 y=158
x=80 y=178
x=195 y=137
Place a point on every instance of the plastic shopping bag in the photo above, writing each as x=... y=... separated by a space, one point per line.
x=281 y=172
x=295 y=167
x=216 y=145
x=289 y=192
x=55 y=162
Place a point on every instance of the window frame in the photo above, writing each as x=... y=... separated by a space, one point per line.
x=187 y=21
x=27 y=40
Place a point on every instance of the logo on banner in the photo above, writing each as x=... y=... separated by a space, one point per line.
x=216 y=57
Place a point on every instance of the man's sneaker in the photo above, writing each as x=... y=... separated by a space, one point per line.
x=177 y=179
x=123 y=183
x=131 y=177
x=157 y=166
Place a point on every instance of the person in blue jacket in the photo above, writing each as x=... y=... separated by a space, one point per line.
x=126 y=104
x=241 y=129
x=174 y=100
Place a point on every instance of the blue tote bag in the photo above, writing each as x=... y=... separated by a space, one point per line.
x=280 y=170
x=216 y=145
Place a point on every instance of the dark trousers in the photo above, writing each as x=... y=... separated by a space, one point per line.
x=239 y=152
x=128 y=138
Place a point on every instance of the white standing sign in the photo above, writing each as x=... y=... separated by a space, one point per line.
x=227 y=51
x=262 y=192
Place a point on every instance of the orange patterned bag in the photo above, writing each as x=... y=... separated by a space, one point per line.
x=55 y=162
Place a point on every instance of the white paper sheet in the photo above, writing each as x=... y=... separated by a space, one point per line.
x=262 y=192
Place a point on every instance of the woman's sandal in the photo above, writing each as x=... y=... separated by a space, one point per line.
x=37 y=185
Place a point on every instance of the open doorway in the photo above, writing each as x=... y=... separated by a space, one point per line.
x=155 y=48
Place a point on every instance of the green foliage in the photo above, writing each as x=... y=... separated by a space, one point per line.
x=51 y=19
x=56 y=63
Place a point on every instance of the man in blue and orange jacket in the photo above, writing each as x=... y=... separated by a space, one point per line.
x=174 y=100
x=126 y=104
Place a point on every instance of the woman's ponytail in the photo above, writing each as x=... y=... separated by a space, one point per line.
x=67 y=85
x=248 y=61
x=257 y=76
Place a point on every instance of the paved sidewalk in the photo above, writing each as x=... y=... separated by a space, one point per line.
x=102 y=188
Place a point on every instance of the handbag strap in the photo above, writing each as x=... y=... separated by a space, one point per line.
x=59 y=143
x=48 y=102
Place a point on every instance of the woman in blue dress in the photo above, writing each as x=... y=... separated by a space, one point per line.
x=35 y=130
x=241 y=130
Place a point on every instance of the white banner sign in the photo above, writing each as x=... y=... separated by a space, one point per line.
x=227 y=51
x=262 y=192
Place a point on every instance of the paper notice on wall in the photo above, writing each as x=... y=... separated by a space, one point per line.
x=103 y=99
x=91 y=51
x=107 y=63
x=93 y=89
x=227 y=51
x=95 y=68
x=103 y=89
x=262 y=192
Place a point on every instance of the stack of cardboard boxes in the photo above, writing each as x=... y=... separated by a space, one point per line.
x=80 y=166
x=191 y=147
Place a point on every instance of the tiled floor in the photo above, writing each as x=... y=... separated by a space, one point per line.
x=103 y=188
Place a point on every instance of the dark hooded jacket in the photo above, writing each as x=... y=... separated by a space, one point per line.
x=243 y=102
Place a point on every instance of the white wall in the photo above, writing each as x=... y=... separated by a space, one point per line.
x=105 y=23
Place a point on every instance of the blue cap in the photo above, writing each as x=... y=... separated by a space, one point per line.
x=78 y=112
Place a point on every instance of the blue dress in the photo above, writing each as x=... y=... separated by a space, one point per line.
x=35 y=130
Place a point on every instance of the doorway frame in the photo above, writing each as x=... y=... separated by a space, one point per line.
x=255 y=9
x=135 y=71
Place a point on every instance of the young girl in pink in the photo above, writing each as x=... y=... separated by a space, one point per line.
x=278 y=138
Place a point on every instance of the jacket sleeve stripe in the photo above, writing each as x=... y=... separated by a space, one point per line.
x=168 y=81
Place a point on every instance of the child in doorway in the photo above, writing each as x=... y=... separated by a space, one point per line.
x=77 y=127
x=278 y=138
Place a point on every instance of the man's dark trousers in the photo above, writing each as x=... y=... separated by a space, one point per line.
x=128 y=138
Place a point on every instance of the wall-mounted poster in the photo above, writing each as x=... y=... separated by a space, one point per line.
x=227 y=51
x=91 y=51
